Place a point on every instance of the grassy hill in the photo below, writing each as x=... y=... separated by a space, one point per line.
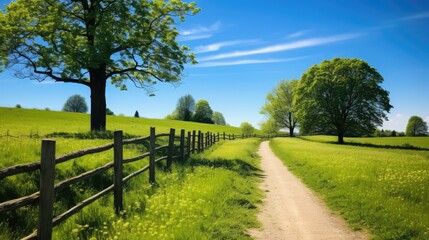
x=42 y=122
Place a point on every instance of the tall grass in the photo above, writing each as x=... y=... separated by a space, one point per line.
x=213 y=196
x=382 y=190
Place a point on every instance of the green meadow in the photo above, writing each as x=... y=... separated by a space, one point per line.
x=419 y=142
x=212 y=195
x=382 y=190
x=25 y=122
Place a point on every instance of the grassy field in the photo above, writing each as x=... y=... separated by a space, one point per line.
x=219 y=185
x=420 y=142
x=25 y=122
x=382 y=190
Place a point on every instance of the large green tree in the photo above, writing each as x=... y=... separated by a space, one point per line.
x=88 y=42
x=203 y=112
x=185 y=108
x=341 y=96
x=280 y=106
x=416 y=127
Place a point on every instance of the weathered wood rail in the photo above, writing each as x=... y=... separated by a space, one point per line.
x=189 y=143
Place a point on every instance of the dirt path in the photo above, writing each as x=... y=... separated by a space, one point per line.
x=291 y=211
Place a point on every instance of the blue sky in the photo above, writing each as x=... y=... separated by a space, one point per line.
x=245 y=48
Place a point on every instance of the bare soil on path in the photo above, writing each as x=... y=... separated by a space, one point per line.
x=291 y=210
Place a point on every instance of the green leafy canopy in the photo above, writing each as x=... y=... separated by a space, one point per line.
x=63 y=39
x=341 y=96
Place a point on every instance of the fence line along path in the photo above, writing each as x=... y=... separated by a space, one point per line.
x=189 y=143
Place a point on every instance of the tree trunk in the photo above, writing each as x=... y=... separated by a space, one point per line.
x=340 y=137
x=291 y=124
x=98 y=99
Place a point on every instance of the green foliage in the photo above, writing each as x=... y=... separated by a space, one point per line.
x=109 y=112
x=270 y=127
x=416 y=127
x=383 y=191
x=89 y=42
x=203 y=112
x=185 y=108
x=218 y=119
x=246 y=128
x=341 y=96
x=280 y=106
x=18 y=106
x=75 y=103
x=136 y=114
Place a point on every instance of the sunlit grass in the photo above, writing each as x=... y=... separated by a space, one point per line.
x=420 y=142
x=25 y=122
x=208 y=197
x=382 y=190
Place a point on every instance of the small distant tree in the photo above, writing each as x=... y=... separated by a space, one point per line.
x=280 y=105
x=416 y=127
x=75 y=103
x=18 y=105
x=109 y=112
x=270 y=127
x=185 y=108
x=393 y=134
x=246 y=128
x=136 y=114
x=218 y=119
x=203 y=112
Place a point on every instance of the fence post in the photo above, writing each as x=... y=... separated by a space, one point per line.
x=152 y=156
x=233 y=137
x=207 y=139
x=202 y=142
x=170 y=148
x=193 y=141
x=218 y=137
x=47 y=197
x=188 y=146
x=117 y=172
x=200 y=139
x=224 y=136
x=182 y=144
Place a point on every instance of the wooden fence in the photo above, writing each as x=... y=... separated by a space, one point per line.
x=188 y=143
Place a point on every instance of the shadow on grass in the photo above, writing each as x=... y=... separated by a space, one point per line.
x=89 y=135
x=237 y=165
x=405 y=146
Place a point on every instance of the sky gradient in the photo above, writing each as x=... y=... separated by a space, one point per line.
x=244 y=48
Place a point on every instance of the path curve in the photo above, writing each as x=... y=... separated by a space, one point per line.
x=290 y=210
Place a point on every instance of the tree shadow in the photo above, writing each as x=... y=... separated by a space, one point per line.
x=236 y=165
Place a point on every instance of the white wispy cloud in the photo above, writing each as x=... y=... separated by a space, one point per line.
x=298 y=34
x=283 y=47
x=199 y=32
x=216 y=46
x=416 y=16
x=245 y=62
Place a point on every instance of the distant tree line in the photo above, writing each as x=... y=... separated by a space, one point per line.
x=188 y=110
x=342 y=97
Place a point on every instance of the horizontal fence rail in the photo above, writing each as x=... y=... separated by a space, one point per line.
x=189 y=142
